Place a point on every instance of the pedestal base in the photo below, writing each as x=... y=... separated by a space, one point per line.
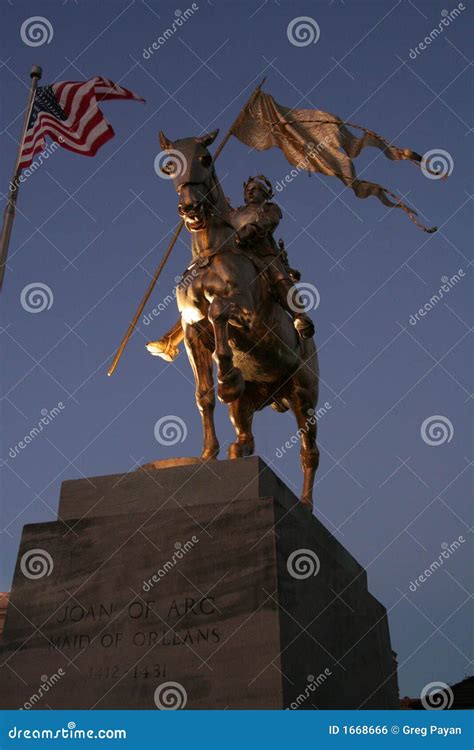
x=201 y=586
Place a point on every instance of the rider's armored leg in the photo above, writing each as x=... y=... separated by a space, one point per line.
x=168 y=346
x=286 y=292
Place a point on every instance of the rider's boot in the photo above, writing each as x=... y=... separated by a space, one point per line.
x=301 y=321
x=168 y=346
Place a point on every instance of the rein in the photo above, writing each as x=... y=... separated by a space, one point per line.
x=203 y=259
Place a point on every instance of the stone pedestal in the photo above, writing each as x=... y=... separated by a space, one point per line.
x=205 y=586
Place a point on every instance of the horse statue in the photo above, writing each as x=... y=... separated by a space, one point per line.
x=229 y=315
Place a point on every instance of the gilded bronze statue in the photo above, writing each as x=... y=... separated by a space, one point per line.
x=254 y=224
x=233 y=301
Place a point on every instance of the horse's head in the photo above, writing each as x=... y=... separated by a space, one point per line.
x=190 y=166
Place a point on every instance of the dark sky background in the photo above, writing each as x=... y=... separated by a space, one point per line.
x=93 y=230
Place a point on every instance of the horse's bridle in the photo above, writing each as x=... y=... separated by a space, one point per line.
x=211 y=195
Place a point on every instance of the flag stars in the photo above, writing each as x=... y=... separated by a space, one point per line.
x=45 y=101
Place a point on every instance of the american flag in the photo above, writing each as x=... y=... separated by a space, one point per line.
x=68 y=113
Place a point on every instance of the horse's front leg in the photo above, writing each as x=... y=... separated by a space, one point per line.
x=201 y=362
x=241 y=413
x=230 y=379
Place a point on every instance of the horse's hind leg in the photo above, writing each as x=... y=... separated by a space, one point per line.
x=303 y=403
x=230 y=379
x=201 y=362
x=241 y=413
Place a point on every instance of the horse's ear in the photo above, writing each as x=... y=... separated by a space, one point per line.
x=164 y=142
x=206 y=140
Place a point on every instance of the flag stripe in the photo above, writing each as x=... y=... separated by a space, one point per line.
x=62 y=128
x=80 y=140
x=68 y=113
x=51 y=127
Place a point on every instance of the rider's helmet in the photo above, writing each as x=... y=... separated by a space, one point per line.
x=262 y=183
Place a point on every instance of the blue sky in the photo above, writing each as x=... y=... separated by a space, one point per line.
x=93 y=230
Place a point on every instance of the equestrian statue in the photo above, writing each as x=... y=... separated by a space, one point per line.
x=237 y=303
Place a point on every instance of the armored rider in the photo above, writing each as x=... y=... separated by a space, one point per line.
x=254 y=223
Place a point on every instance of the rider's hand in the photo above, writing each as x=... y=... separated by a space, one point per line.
x=243 y=235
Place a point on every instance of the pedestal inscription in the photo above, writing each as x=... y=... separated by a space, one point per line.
x=133 y=602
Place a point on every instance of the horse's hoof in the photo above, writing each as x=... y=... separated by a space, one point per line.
x=209 y=453
x=240 y=450
x=233 y=451
x=231 y=386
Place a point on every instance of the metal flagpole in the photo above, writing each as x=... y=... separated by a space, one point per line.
x=10 y=208
x=172 y=243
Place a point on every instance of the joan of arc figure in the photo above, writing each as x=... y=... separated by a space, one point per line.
x=255 y=223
